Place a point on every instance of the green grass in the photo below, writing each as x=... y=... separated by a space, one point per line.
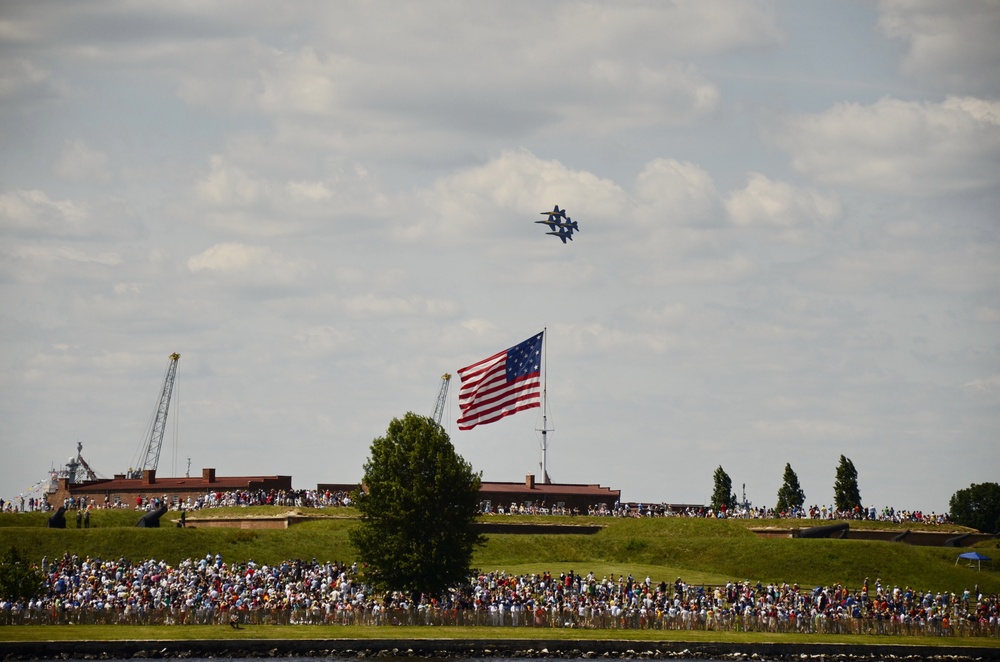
x=214 y=632
x=792 y=524
x=114 y=518
x=698 y=550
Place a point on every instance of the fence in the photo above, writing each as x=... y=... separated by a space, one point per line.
x=588 y=618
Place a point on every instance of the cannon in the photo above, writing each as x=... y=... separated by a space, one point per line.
x=838 y=530
x=58 y=519
x=151 y=520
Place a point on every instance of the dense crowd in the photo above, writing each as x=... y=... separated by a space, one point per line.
x=296 y=498
x=887 y=514
x=210 y=591
x=211 y=499
x=815 y=512
x=328 y=499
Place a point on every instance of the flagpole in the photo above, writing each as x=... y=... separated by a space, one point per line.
x=545 y=404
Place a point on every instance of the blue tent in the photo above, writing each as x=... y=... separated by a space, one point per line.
x=973 y=556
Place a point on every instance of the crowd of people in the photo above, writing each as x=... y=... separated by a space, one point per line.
x=210 y=499
x=295 y=498
x=815 y=512
x=327 y=499
x=334 y=499
x=209 y=590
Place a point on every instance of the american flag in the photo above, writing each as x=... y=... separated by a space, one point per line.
x=502 y=384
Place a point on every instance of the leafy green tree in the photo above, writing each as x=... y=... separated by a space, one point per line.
x=790 y=494
x=418 y=502
x=19 y=581
x=846 y=495
x=977 y=506
x=723 y=496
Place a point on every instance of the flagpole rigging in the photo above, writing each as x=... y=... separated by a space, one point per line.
x=545 y=405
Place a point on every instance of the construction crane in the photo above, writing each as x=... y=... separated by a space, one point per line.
x=442 y=398
x=151 y=451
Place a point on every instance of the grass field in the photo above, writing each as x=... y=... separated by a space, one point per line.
x=699 y=550
x=202 y=632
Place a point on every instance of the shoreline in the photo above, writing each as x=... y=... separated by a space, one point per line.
x=477 y=648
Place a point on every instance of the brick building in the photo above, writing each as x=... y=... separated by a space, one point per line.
x=529 y=494
x=122 y=490
x=572 y=497
x=493 y=495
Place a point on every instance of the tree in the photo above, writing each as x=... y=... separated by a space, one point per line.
x=722 y=496
x=19 y=581
x=846 y=495
x=418 y=502
x=790 y=494
x=977 y=506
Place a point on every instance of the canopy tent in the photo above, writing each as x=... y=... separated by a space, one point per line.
x=973 y=556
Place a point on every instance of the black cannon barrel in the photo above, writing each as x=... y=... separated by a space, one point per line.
x=151 y=520
x=58 y=519
x=838 y=530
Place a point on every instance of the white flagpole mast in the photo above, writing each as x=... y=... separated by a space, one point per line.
x=545 y=404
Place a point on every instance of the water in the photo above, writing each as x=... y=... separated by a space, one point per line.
x=389 y=658
x=953 y=656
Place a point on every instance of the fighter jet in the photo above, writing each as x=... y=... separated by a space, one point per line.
x=553 y=220
x=553 y=223
x=561 y=228
x=555 y=212
x=564 y=233
x=560 y=225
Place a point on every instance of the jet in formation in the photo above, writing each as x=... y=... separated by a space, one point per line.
x=560 y=225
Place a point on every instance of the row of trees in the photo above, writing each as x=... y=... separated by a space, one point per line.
x=846 y=495
x=977 y=506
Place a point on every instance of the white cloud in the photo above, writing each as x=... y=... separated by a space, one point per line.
x=649 y=31
x=671 y=192
x=765 y=202
x=953 y=44
x=33 y=210
x=615 y=95
x=985 y=386
x=258 y=187
x=901 y=267
x=502 y=72
x=78 y=162
x=300 y=82
x=227 y=185
x=324 y=339
x=909 y=147
x=247 y=263
x=514 y=183
x=127 y=289
x=65 y=254
x=309 y=191
x=21 y=78
x=228 y=78
x=371 y=305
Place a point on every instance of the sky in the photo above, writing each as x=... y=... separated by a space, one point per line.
x=788 y=246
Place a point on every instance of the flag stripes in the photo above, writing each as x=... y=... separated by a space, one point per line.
x=501 y=385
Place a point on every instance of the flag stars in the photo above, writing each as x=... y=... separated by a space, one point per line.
x=501 y=385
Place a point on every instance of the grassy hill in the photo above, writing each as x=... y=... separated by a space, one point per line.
x=701 y=551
